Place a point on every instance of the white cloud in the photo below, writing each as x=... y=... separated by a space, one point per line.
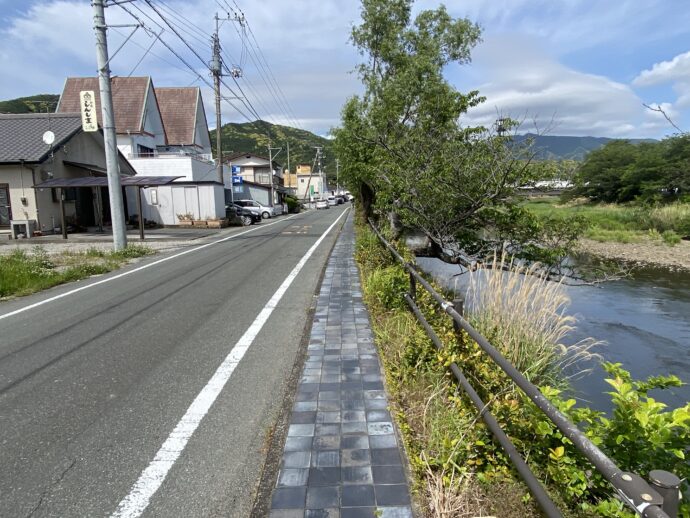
x=525 y=83
x=677 y=69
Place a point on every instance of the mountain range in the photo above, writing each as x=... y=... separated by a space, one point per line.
x=254 y=137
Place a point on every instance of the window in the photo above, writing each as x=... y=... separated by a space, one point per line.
x=144 y=151
x=154 y=196
x=301 y=180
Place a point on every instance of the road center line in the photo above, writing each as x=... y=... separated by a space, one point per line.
x=129 y=272
x=136 y=502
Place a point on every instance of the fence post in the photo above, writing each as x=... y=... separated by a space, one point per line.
x=413 y=287
x=459 y=306
x=668 y=486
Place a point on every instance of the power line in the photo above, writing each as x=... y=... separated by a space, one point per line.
x=261 y=69
x=177 y=55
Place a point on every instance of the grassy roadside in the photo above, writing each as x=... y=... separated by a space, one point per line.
x=25 y=272
x=458 y=469
x=621 y=223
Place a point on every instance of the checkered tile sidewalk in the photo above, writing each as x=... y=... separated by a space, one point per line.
x=341 y=457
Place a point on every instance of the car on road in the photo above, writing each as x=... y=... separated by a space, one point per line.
x=263 y=210
x=332 y=201
x=322 y=204
x=340 y=198
x=238 y=215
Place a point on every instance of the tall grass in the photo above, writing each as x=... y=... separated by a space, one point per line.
x=524 y=315
x=611 y=222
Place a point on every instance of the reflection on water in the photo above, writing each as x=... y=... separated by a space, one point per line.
x=644 y=320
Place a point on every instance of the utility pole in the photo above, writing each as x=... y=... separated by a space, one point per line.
x=287 y=143
x=117 y=212
x=337 y=176
x=270 y=167
x=217 y=71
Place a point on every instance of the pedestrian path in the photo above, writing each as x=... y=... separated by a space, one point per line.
x=341 y=457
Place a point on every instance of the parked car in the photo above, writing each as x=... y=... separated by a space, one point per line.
x=322 y=204
x=263 y=210
x=349 y=196
x=238 y=215
x=340 y=198
x=332 y=201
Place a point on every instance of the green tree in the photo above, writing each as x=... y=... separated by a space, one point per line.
x=404 y=148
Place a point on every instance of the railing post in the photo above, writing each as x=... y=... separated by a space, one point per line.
x=413 y=287
x=459 y=306
x=668 y=486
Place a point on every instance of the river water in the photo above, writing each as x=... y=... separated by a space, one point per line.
x=644 y=321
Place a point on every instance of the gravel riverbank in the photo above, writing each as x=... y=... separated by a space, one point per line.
x=644 y=253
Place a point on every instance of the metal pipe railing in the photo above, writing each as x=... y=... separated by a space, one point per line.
x=633 y=489
x=535 y=487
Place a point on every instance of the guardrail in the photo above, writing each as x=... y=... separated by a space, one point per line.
x=658 y=499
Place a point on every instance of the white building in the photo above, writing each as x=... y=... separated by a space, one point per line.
x=162 y=132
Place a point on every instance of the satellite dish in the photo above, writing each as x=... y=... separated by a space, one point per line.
x=49 y=137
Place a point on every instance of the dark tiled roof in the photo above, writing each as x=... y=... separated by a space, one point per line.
x=178 y=111
x=129 y=96
x=21 y=135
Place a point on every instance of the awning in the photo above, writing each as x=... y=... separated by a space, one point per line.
x=102 y=181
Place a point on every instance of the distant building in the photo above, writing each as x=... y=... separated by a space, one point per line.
x=254 y=169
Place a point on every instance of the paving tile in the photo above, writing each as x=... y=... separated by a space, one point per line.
x=388 y=474
x=385 y=457
x=286 y=513
x=290 y=477
x=380 y=428
x=301 y=430
x=298 y=444
x=296 y=459
x=359 y=457
x=304 y=406
x=394 y=512
x=358 y=512
x=396 y=494
x=358 y=495
x=326 y=459
x=326 y=442
x=322 y=513
x=289 y=498
x=324 y=476
x=322 y=497
x=303 y=417
x=382 y=441
x=357 y=475
x=354 y=442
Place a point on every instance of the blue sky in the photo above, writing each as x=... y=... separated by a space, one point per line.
x=565 y=67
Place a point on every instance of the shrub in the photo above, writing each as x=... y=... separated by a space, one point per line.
x=670 y=237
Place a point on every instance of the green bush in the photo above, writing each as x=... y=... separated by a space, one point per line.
x=293 y=204
x=670 y=237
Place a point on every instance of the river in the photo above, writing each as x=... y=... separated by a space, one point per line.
x=644 y=321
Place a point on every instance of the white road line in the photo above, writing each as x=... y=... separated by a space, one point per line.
x=129 y=272
x=136 y=502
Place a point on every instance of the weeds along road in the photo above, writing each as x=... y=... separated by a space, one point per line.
x=152 y=394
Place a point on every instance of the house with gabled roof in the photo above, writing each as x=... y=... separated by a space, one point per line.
x=27 y=160
x=162 y=132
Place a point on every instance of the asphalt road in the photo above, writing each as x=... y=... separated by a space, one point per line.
x=92 y=384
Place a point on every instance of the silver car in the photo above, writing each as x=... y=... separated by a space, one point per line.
x=263 y=210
